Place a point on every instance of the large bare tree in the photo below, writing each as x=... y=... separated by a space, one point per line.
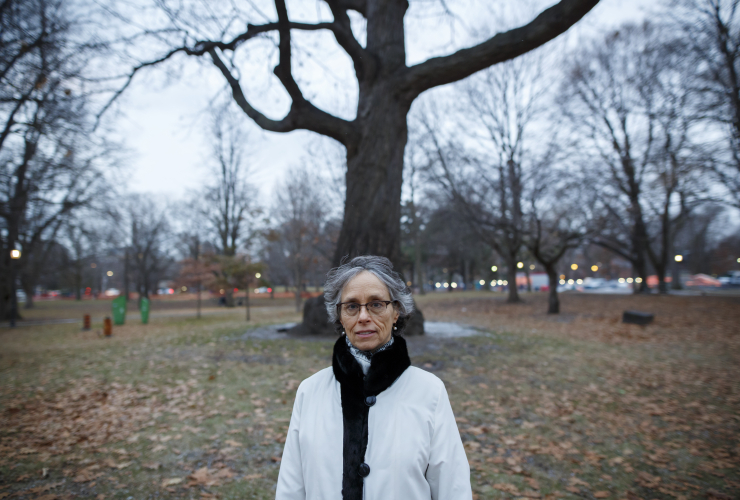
x=375 y=138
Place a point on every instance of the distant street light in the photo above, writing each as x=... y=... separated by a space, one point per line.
x=258 y=275
x=594 y=268
x=531 y=266
x=109 y=273
x=562 y=276
x=481 y=282
x=93 y=265
x=679 y=258
x=738 y=260
x=520 y=265
x=574 y=266
x=494 y=268
x=15 y=254
x=638 y=280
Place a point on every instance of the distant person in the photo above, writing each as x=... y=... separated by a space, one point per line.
x=371 y=426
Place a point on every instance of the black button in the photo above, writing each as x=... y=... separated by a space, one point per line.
x=364 y=469
x=370 y=400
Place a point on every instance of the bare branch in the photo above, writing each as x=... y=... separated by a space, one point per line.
x=502 y=47
x=302 y=114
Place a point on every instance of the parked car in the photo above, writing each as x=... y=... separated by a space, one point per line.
x=731 y=278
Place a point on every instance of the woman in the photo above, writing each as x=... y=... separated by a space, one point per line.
x=371 y=426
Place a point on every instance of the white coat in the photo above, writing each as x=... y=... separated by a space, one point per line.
x=414 y=448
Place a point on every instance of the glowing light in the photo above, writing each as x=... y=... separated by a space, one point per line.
x=574 y=266
x=562 y=282
x=495 y=268
x=493 y=282
x=269 y=290
x=408 y=283
x=109 y=273
x=570 y=282
x=170 y=291
x=437 y=284
x=562 y=276
x=15 y=254
x=579 y=281
x=256 y=290
x=520 y=265
x=454 y=285
x=629 y=280
x=679 y=258
x=184 y=289
x=594 y=268
x=531 y=266
x=482 y=282
x=499 y=282
x=93 y=265
x=258 y=275
x=505 y=282
x=638 y=280
x=222 y=290
x=621 y=280
x=446 y=285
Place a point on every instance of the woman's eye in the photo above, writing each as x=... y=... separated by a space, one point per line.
x=352 y=307
x=376 y=305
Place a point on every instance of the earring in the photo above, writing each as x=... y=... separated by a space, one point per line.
x=395 y=327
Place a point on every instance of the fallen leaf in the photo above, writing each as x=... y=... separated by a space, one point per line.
x=602 y=494
x=172 y=481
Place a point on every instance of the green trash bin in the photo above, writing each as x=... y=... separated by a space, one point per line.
x=119 y=310
x=144 y=308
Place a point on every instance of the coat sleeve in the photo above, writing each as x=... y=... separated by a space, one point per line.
x=290 y=485
x=448 y=472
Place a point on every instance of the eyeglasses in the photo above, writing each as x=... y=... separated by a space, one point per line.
x=376 y=307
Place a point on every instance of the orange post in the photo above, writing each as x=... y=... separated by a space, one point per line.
x=86 y=322
x=107 y=327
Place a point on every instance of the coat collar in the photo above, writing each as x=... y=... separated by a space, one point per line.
x=385 y=367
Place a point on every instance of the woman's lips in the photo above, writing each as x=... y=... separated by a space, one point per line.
x=365 y=334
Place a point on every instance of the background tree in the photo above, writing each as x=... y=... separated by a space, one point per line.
x=228 y=205
x=627 y=104
x=50 y=163
x=299 y=217
x=710 y=30
x=145 y=229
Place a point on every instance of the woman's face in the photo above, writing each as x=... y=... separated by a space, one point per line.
x=367 y=330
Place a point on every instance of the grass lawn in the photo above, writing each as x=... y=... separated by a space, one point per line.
x=574 y=406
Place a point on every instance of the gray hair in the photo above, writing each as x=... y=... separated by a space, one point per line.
x=337 y=278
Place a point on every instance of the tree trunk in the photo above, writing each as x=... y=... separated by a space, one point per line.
x=372 y=212
x=553 y=302
x=511 y=272
x=126 y=282
x=229 y=296
x=298 y=299
x=28 y=289
x=676 y=277
x=246 y=300
x=198 y=313
x=529 y=281
x=662 y=285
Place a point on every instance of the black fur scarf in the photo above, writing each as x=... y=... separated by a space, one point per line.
x=358 y=391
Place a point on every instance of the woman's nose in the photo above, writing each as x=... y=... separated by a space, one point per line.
x=364 y=315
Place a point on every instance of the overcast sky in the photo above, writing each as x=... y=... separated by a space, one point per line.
x=165 y=125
